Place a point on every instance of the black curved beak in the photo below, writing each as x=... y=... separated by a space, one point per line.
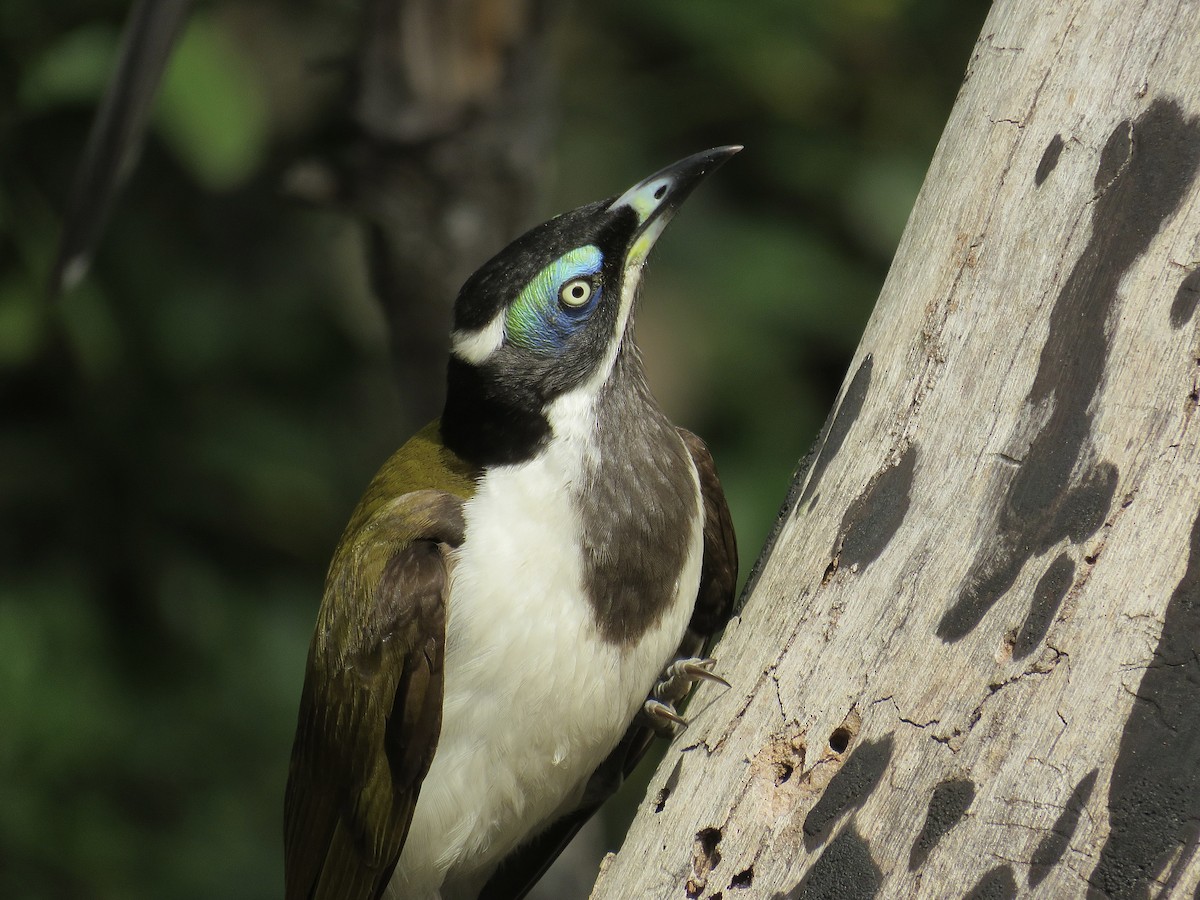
x=655 y=199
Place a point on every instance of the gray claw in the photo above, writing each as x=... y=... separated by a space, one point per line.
x=663 y=717
x=701 y=671
x=677 y=679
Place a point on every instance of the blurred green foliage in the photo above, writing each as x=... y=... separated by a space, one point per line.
x=183 y=436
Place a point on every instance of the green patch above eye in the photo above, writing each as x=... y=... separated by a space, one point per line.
x=536 y=320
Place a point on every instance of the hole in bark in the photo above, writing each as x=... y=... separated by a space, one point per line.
x=708 y=838
x=743 y=879
x=839 y=740
x=661 y=800
x=1010 y=640
x=829 y=571
x=705 y=858
x=783 y=772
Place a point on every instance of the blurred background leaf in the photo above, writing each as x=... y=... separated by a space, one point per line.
x=183 y=436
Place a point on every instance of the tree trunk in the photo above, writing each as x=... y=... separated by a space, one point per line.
x=969 y=664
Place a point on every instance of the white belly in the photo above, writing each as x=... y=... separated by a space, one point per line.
x=534 y=698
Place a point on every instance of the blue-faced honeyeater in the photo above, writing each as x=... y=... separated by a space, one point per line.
x=524 y=591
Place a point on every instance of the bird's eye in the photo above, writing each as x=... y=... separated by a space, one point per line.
x=576 y=292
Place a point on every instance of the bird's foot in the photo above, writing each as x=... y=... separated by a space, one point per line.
x=672 y=686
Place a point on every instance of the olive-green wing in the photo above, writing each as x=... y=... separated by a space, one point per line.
x=714 y=605
x=370 y=713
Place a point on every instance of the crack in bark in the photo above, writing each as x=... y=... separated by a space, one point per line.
x=957 y=737
x=772 y=671
x=921 y=726
x=997 y=47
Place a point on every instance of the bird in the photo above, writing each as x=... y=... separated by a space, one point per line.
x=522 y=597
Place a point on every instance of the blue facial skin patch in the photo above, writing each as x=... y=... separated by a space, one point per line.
x=537 y=320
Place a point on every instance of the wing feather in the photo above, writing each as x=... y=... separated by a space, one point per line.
x=370 y=712
x=719 y=569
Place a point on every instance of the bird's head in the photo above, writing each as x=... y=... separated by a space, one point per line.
x=550 y=312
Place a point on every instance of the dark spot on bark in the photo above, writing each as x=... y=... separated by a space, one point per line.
x=839 y=740
x=742 y=879
x=1052 y=847
x=845 y=870
x=947 y=805
x=1145 y=169
x=1047 y=596
x=1049 y=160
x=660 y=802
x=876 y=514
x=996 y=884
x=1186 y=298
x=837 y=427
x=1116 y=153
x=1076 y=514
x=1154 y=797
x=1084 y=508
x=982 y=589
x=849 y=788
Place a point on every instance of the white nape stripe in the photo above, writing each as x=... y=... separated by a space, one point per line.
x=476 y=346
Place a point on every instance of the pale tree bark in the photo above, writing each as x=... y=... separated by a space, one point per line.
x=970 y=665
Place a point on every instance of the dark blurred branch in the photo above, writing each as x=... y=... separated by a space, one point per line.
x=452 y=101
x=117 y=132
